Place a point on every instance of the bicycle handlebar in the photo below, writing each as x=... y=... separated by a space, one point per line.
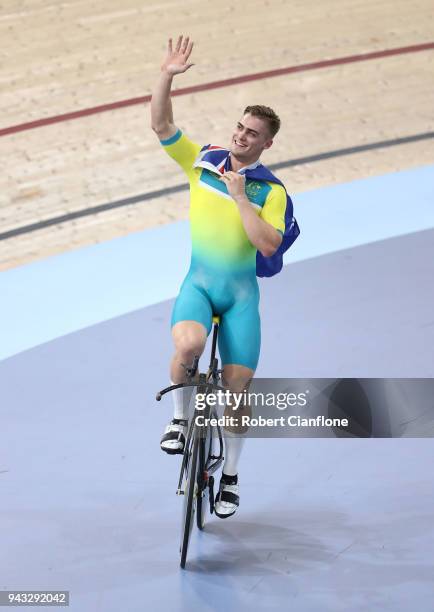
x=185 y=385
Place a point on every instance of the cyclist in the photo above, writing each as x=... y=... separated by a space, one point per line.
x=230 y=219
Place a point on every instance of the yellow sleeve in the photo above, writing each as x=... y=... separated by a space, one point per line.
x=273 y=211
x=183 y=150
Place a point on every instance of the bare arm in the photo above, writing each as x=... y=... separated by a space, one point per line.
x=261 y=234
x=176 y=62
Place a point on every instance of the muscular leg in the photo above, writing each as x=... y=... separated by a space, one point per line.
x=239 y=345
x=191 y=322
x=236 y=378
x=189 y=338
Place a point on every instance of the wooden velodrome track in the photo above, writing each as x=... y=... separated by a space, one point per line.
x=59 y=58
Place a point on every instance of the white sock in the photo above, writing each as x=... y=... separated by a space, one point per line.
x=180 y=403
x=233 y=448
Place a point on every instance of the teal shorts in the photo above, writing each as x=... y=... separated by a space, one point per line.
x=236 y=300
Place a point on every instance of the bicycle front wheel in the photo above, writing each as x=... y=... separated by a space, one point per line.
x=190 y=496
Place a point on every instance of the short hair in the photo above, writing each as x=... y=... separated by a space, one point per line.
x=267 y=114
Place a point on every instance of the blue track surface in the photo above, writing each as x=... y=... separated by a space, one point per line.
x=333 y=525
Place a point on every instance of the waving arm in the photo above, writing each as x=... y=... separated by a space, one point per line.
x=176 y=62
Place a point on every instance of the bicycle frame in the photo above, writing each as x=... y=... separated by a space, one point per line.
x=198 y=476
x=212 y=462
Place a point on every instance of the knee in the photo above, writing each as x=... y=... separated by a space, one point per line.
x=237 y=379
x=189 y=343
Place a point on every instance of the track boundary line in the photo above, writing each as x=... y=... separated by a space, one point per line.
x=184 y=187
x=102 y=108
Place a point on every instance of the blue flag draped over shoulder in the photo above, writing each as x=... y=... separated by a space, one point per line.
x=216 y=159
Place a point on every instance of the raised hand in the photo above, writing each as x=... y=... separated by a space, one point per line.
x=176 y=61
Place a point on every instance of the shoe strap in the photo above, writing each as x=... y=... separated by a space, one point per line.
x=175 y=427
x=183 y=422
x=228 y=497
x=229 y=488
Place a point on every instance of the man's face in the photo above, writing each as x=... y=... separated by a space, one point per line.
x=251 y=136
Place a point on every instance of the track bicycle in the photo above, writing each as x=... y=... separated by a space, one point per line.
x=199 y=462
